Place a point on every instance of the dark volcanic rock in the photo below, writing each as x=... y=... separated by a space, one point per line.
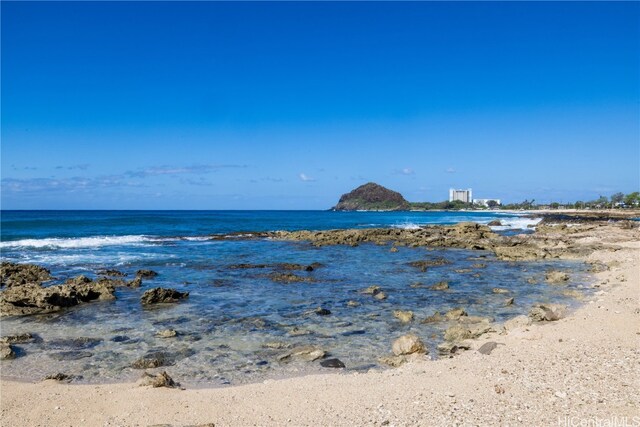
x=323 y=311
x=13 y=274
x=32 y=298
x=18 y=339
x=332 y=363
x=372 y=196
x=111 y=273
x=146 y=274
x=162 y=295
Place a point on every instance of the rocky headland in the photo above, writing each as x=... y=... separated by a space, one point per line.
x=372 y=197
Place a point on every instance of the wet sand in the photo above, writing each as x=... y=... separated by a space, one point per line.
x=583 y=368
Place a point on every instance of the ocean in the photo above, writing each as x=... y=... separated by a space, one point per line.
x=237 y=325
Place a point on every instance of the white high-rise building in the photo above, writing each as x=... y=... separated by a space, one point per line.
x=462 y=195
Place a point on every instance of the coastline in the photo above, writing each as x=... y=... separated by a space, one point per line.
x=582 y=367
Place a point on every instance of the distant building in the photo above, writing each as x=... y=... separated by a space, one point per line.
x=462 y=195
x=485 y=202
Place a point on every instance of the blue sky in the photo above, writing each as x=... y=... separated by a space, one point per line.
x=207 y=105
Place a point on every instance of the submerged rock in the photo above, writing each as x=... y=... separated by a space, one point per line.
x=440 y=286
x=146 y=274
x=322 y=311
x=380 y=296
x=332 y=363
x=7 y=351
x=455 y=313
x=556 y=277
x=500 y=291
x=81 y=343
x=372 y=290
x=405 y=316
x=434 y=318
x=288 y=278
x=408 y=344
x=157 y=380
x=70 y=355
x=162 y=296
x=509 y=301
x=167 y=333
x=424 y=264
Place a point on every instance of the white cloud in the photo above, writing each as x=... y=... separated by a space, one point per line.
x=306 y=178
x=450 y=170
x=404 y=171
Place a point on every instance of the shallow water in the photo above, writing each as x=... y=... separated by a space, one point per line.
x=231 y=313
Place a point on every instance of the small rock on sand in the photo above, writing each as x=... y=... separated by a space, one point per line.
x=408 y=344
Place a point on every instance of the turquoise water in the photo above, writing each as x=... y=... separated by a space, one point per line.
x=232 y=313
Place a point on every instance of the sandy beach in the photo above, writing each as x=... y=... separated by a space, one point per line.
x=583 y=368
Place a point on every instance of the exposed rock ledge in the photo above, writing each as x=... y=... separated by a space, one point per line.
x=551 y=243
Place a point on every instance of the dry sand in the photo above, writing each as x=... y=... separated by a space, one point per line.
x=581 y=370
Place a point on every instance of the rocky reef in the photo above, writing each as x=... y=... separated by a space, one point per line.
x=372 y=197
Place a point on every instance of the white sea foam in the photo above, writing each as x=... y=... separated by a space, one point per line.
x=407 y=226
x=516 y=223
x=78 y=242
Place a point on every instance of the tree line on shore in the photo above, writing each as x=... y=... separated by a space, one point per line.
x=616 y=201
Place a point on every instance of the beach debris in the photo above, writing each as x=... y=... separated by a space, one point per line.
x=405 y=316
x=162 y=296
x=332 y=363
x=408 y=344
x=157 y=380
x=547 y=312
x=440 y=286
